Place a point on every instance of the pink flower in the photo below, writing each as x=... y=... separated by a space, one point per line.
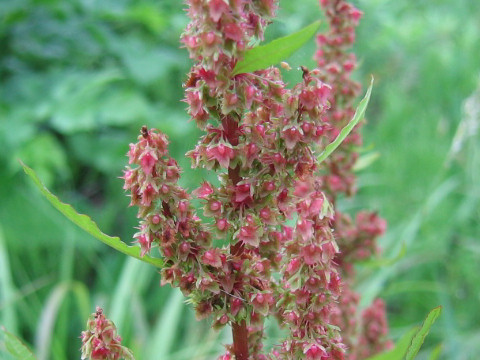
x=222 y=153
x=222 y=224
x=196 y=104
x=190 y=42
x=129 y=177
x=148 y=194
x=132 y=154
x=293 y=266
x=355 y=14
x=248 y=234
x=322 y=93
x=204 y=191
x=145 y=244
x=232 y=31
x=305 y=228
x=291 y=136
x=315 y=352
x=217 y=8
x=243 y=192
x=212 y=258
x=312 y=254
x=147 y=161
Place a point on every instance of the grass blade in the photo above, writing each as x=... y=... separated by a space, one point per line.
x=87 y=224
x=165 y=331
x=46 y=324
x=359 y=114
x=409 y=345
x=8 y=314
x=16 y=347
x=419 y=337
x=400 y=349
x=261 y=57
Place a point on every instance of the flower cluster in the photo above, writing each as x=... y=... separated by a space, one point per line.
x=374 y=331
x=268 y=214
x=356 y=240
x=101 y=342
x=336 y=65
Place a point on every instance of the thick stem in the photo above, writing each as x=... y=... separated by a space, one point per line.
x=239 y=330
x=240 y=340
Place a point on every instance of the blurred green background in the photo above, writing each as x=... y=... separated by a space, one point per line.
x=79 y=78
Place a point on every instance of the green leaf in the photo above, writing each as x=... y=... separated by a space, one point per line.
x=16 y=347
x=419 y=337
x=263 y=56
x=400 y=349
x=409 y=345
x=359 y=113
x=87 y=224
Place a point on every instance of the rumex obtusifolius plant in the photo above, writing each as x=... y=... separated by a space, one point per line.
x=261 y=138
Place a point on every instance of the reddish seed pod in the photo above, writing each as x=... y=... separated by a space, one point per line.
x=222 y=224
x=245 y=187
x=265 y=214
x=170 y=173
x=221 y=149
x=224 y=319
x=183 y=206
x=237 y=265
x=278 y=158
x=306 y=127
x=269 y=186
x=184 y=247
x=319 y=131
x=260 y=298
x=215 y=205
x=261 y=130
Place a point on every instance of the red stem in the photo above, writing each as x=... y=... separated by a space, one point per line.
x=240 y=340
x=239 y=330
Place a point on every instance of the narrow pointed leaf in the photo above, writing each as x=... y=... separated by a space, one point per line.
x=261 y=57
x=16 y=347
x=419 y=337
x=87 y=224
x=409 y=345
x=400 y=349
x=359 y=114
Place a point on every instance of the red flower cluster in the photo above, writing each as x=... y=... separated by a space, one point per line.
x=261 y=137
x=101 y=342
x=357 y=241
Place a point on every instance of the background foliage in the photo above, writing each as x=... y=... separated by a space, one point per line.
x=80 y=77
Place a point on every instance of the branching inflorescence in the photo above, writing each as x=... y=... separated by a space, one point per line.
x=101 y=342
x=270 y=210
x=364 y=335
